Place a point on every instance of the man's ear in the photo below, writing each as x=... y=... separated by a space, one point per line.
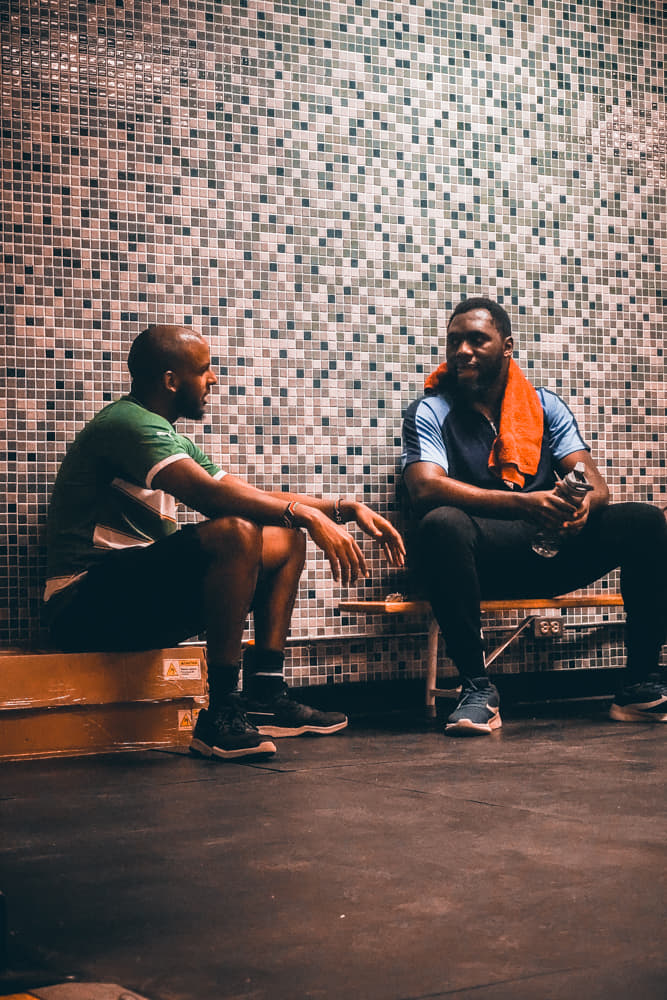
x=508 y=349
x=170 y=381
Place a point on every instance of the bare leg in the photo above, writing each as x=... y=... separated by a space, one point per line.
x=283 y=557
x=234 y=546
x=248 y=567
x=233 y=550
x=259 y=568
x=270 y=706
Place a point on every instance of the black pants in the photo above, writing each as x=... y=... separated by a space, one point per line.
x=463 y=559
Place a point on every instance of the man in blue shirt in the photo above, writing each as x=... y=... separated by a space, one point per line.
x=482 y=455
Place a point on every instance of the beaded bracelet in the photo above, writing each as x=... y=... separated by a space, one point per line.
x=289 y=517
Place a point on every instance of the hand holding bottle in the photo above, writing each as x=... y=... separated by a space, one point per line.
x=573 y=487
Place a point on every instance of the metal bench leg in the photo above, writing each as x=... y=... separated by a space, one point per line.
x=526 y=623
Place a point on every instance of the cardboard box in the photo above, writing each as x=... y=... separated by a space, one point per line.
x=83 y=730
x=47 y=680
x=70 y=704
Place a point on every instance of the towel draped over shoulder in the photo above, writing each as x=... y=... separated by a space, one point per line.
x=516 y=450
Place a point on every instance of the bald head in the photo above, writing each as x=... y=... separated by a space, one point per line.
x=157 y=350
x=171 y=371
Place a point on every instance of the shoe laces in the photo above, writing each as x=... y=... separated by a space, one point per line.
x=475 y=693
x=653 y=685
x=233 y=717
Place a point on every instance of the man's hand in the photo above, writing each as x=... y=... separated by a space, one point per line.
x=549 y=509
x=345 y=557
x=578 y=519
x=377 y=527
x=344 y=554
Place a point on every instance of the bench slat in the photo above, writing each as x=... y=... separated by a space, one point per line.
x=503 y=604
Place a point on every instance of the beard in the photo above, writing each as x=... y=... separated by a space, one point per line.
x=190 y=404
x=473 y=388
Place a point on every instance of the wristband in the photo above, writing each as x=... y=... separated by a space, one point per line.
x=289 y=517
x=337 y=513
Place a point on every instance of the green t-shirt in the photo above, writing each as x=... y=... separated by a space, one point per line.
x=103 y=497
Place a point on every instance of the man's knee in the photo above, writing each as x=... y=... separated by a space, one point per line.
x=445 y=528
x=283 y=546
x=231 y=538
x=297 y=544
x=650 y=519
x=642 y=524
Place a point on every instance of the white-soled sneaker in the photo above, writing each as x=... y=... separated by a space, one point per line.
x=282 y=715
x=478 y=711
x=227 y=734
x=642 y=702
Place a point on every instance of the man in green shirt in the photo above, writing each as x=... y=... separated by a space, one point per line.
x=122 y=575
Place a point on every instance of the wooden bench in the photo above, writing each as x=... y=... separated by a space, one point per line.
x=398 y=605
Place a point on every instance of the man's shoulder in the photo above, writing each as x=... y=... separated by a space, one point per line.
x=128 y=408
x=550 y=400
x=429 y=405
x=545 y=393
x=126 y=427
x=126 y=413
x=119 y=411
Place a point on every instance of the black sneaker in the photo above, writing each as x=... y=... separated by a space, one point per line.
x=478 y=711
x=643 y=702
x=228 y=734
x=282 y=716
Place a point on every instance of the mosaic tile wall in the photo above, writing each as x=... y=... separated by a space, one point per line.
x=314 y=185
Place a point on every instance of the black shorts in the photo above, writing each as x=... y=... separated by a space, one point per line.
x=136 y=598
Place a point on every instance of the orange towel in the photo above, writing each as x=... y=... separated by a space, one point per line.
x=516 y=450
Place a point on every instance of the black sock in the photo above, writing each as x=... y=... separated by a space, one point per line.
x=222 y=680
x=262 y=672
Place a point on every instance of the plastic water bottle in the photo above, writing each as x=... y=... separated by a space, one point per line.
x=574 y=486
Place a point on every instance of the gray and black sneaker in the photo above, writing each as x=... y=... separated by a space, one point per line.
x=642 y=702
x=227 y=734
x=478 y=711
x=281 y=715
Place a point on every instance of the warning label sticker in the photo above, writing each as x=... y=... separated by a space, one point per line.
x=185 y=720
x=181 y=669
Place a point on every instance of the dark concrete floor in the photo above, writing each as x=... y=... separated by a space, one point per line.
x=384 y=863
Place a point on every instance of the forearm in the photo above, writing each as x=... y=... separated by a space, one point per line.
x=429 y=487
x=599 y=500
x=326 y=506
x=471 y=499
x=234 y=497
x=340 y=509
x=225 y=497
x=599 y=495
x=239 y=499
